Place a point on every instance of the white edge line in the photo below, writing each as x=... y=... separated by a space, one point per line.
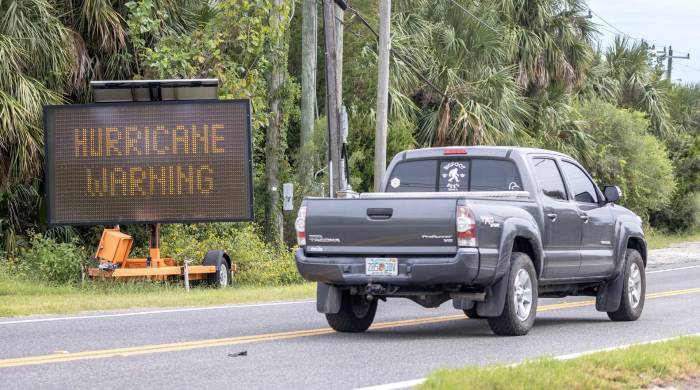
x=165 y=311
x=140 y=313
x=416 y=382
x=395 y=385
x=579 y=354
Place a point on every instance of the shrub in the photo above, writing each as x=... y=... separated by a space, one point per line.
x=683 y=215
x=51 y=261
x=627 y=155
x=258 y=263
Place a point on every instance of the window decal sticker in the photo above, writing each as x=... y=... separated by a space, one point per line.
x=454 y=172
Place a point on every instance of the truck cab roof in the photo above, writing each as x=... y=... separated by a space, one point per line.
x=482 y=151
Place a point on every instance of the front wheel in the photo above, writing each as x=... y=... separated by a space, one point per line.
x=633 y=289
x=356 y=314
x=518 y=314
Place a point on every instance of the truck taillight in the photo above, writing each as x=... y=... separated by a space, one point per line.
x=300 y=226
x=466 y=227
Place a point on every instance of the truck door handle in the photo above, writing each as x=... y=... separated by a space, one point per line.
x=584 y=218
x=380 y=213
x=552 y=216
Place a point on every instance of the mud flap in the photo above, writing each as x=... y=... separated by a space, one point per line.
x=462 y=303
x=610 y=294
x=328 y=298
x=495 y=298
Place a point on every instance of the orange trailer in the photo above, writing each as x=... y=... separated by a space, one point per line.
x=114 y=262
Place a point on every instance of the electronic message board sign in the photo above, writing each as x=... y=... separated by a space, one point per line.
x=149 y=162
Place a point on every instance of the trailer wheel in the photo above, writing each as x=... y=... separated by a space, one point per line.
x=222 y=277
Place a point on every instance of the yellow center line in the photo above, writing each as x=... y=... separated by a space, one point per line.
x=198 y=344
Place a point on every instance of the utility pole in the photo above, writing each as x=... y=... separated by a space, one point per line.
x=308 y=93
x=382 y=92
x=669 y=66
x=333 y=85
x=342 y=114
x=273 y=150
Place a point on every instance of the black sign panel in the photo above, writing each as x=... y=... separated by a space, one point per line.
x=180 y=161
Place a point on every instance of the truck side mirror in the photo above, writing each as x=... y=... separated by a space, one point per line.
x=612 y=194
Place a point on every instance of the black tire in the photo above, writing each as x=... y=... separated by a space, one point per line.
x=356 y=314
x=471 y=313
x=510 y=323
x=222 y=277
x=630 y=309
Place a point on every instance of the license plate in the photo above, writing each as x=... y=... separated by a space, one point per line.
x=381 y=266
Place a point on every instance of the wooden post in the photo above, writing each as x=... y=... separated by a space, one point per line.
x=339 y=30
x=308 y=94
x=332 y=107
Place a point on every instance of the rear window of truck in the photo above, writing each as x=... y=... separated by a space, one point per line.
x=448 y=175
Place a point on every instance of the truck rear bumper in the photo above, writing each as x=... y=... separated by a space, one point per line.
x=461 y=268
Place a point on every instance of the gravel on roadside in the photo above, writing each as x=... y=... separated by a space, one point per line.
x=681 y=253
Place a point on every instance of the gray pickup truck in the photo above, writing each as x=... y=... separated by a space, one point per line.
x=490 y=228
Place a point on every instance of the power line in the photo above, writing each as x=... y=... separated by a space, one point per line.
x=615 y=28
x=602 y=27
x=410 y=64
x=476 y=17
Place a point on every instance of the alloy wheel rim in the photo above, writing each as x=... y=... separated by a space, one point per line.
x=634 y=285
x=522 y=297
x=223 y=275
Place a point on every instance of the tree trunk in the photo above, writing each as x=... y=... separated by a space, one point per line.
x=273 y=150
x=308 y=95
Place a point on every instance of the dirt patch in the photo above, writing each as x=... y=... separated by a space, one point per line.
x=690 y=383
x=684 y=252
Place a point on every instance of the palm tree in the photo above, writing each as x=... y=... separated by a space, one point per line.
x=640 y=84
x=550 y=41
x=34 y=61
x=466 y=93
x=108 y=37
x=49 y=51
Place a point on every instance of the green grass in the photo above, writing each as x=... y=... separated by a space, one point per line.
x=658 y=240
x=632 y=368
x=19 y=297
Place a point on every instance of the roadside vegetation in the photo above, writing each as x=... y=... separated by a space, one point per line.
x=524 y=73
x=45 y=276
x=666 y=364
x=19 y=297
x=658 y=240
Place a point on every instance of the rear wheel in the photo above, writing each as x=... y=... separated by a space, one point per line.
x=633 y=289
x=471 y=313
x=518 y=314
x=356 y=314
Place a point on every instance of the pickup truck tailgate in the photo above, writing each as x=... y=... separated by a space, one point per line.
x=411 y=226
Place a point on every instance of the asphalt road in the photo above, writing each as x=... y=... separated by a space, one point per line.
x=289 y=346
